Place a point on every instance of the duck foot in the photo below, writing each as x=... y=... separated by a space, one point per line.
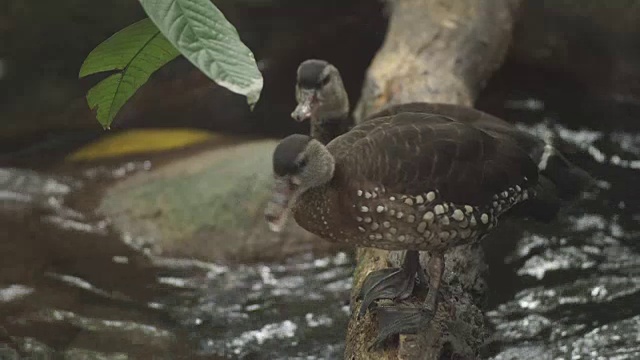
x=391 y=283
x=395 y=320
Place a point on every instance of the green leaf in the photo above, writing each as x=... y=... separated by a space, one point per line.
x=136 y=52
x=205 y=37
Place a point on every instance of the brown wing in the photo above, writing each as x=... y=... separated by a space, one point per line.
x=458 y=112
x=413 y=153
x=481 y=120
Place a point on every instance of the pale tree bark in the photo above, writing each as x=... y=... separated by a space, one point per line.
x=434 y=51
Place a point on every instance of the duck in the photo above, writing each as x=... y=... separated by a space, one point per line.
x=322 y=100
x=415 y=177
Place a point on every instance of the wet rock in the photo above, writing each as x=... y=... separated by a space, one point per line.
x=208 y=206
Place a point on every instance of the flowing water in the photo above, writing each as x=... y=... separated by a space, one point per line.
x=70 y=287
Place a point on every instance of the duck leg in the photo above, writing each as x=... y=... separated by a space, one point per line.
x=391 y=283
x=394 y=320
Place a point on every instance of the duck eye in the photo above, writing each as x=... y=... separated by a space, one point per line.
x=302 y=163
x=325 y=80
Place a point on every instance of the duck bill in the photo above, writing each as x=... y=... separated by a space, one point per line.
x=278 y=207
x=306 y=105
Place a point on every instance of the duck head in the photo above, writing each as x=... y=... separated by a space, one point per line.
x=299 y=164
x=320 y=92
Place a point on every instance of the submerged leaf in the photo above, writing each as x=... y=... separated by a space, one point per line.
x=137 y=50
x=205 y=37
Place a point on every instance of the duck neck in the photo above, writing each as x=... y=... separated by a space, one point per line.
x=313 y=211
x=327 y=128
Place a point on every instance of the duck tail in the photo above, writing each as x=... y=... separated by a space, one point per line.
x=544 y=206
x=570 y=181
x=559 y=182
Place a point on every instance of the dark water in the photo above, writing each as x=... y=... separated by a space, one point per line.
x=71 y=287
x=571 y=289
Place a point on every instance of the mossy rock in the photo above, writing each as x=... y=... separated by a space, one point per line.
x=208 y=205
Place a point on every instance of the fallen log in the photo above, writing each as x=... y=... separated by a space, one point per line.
x=440 y=51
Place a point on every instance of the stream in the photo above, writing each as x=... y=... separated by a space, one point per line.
x=71 y=287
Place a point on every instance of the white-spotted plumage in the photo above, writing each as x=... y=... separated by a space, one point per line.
x=457 y=215
x=426 y=218
x=484 y=218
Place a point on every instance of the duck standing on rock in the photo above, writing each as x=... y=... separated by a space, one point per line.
x=416 y=177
